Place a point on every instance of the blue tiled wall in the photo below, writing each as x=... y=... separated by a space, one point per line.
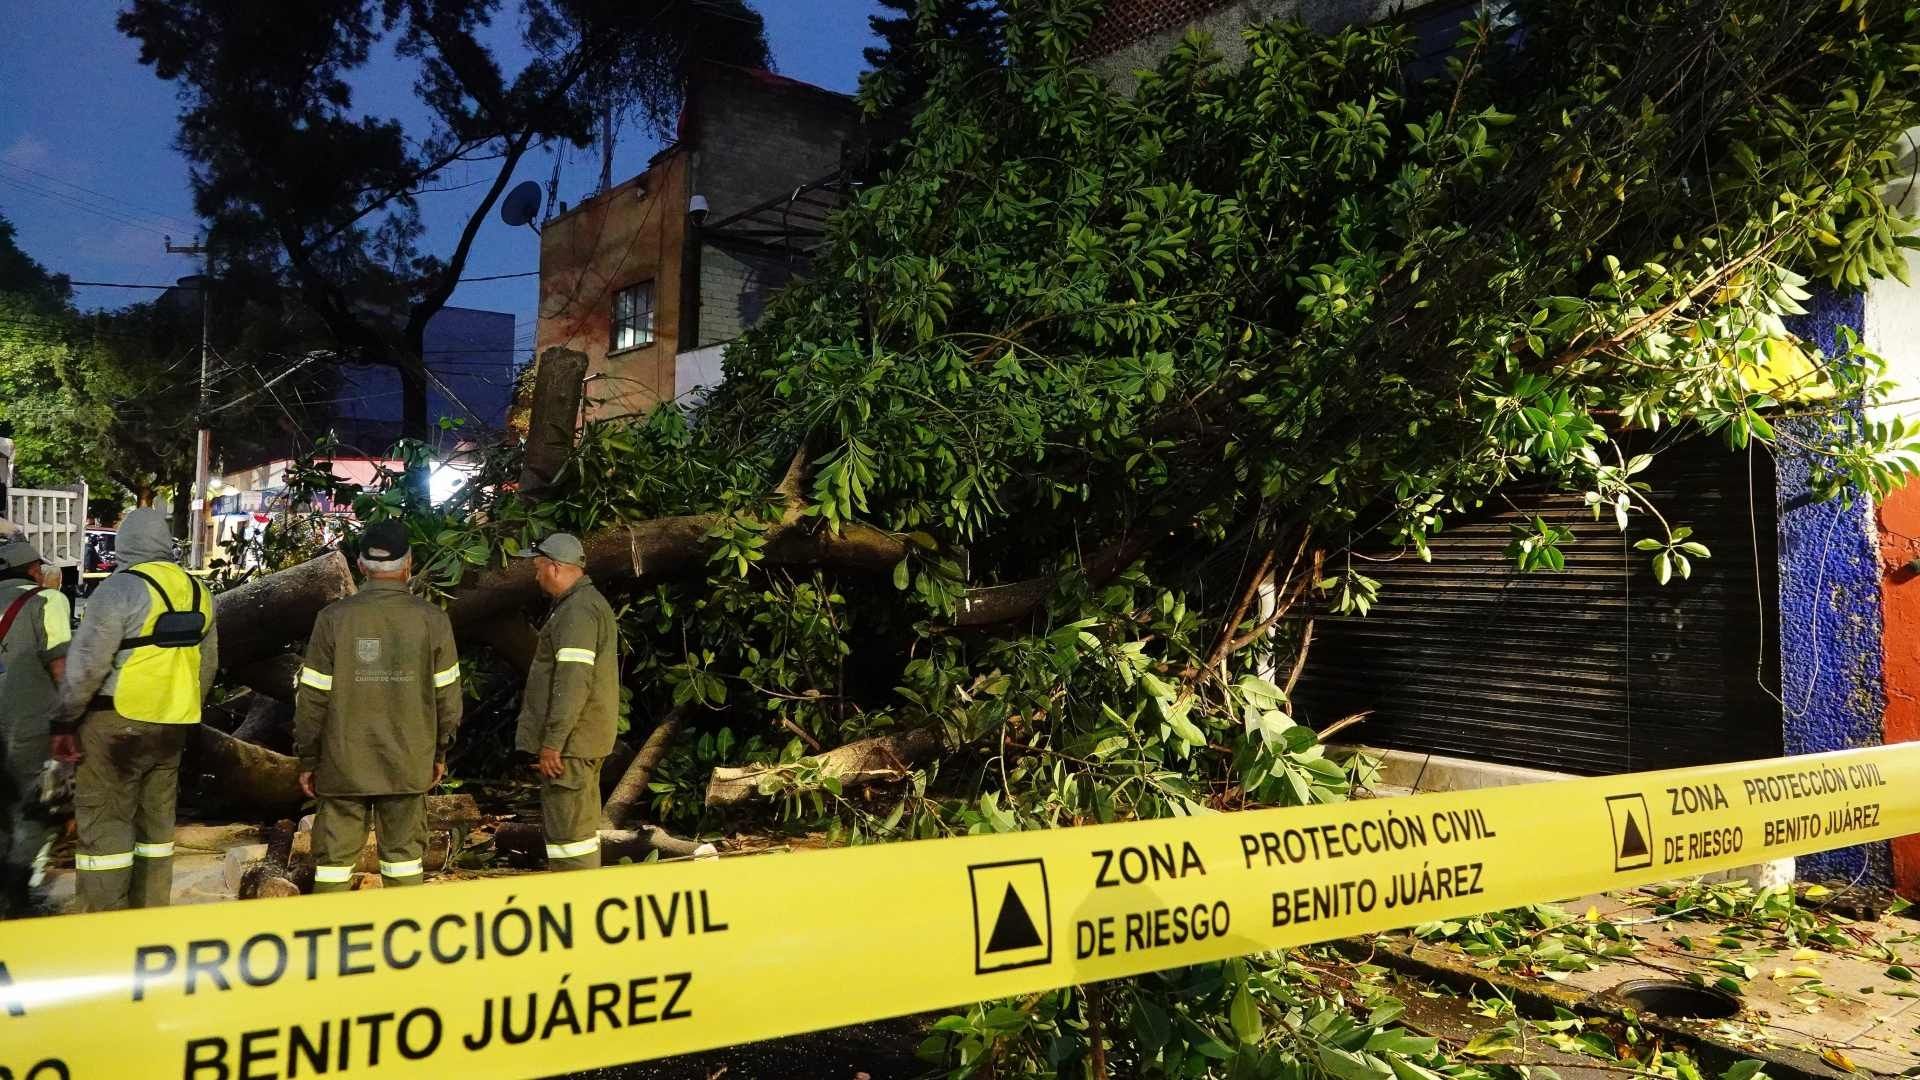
x=1829 y=609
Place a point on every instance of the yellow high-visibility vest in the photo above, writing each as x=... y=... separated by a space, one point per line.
x=160 y=682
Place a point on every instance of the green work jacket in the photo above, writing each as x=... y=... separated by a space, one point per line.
x=572 y=701
x=38 y=637
x=379 y=698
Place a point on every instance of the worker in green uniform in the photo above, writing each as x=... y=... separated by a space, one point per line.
x=378 y=705
x=36 y=623
x=140 y=664
x=572 y=704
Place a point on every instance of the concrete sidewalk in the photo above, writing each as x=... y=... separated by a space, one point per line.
x=1849 y=1004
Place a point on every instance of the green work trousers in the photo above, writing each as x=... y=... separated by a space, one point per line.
x=570 y=814
x=123 y=798
x=340 y=832
x=26 y=828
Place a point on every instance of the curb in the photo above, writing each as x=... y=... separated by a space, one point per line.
x=1538 y=1000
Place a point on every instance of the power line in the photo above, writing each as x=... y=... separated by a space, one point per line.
x=82 y=205
x=501 y=277
x=146 y=211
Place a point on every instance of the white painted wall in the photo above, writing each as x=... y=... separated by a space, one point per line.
x=696 y=372
x=1893 y=309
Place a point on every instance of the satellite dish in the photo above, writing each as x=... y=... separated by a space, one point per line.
x=521 y=204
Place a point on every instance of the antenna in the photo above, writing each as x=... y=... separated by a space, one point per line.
x=521 y=205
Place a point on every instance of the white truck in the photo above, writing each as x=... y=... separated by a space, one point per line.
x=55 y=520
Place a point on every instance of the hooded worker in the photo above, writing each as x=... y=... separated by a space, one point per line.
x=35 y=625
x=140 y=664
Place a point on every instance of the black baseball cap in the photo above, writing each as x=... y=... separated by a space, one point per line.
x=384 y=541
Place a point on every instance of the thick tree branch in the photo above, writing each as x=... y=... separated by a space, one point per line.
x=623 y=805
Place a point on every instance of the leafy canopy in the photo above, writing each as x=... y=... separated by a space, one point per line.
x=1215 y=328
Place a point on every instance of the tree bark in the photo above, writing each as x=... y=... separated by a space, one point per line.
x=244 y=777
x=865 y=761
x=553 y=417
x=623 y=805
x=663 y=547
x=269 y=724
x=273 y=677
x=261 y=619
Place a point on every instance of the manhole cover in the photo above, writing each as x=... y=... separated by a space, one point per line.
x=1677 y=1000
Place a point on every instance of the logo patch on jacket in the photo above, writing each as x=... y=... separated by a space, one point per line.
x=366 y=649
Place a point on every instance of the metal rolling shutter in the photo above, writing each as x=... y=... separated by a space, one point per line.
x=1595 y=670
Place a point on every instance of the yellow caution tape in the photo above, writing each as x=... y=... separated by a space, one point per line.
x=537 y=975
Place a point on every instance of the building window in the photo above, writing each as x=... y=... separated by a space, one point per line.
x=633 y=316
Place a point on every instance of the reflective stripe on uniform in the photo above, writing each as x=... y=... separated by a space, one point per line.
x=40 y=860
x=332 y=875
x=315 y=679
x=154 y=851
x=444 y=679
x=118 y=861
x=574 y=656
x=401 y=869
x=576 y=848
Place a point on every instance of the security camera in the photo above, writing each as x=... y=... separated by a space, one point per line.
x=697 y=209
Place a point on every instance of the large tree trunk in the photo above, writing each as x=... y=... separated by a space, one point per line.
x=273 y=677
x=555 y=414
x=664 y=547
x=263 y=618
x=223 y=771
x=269 y=724
x=182 y=508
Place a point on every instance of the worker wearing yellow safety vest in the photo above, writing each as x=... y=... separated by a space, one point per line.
x=35 y=625
x=378 y=706
x=140 y=664
x=571 y=708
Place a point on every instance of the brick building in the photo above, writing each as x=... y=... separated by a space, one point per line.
x=652 y=277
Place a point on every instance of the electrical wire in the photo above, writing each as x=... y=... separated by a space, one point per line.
x=146 y=211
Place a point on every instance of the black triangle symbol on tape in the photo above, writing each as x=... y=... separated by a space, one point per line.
x=1014 y=928
x=1632 y=845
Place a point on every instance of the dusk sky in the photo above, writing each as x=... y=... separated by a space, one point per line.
x=89 y=175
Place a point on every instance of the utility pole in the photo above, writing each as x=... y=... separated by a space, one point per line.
x=197 y=506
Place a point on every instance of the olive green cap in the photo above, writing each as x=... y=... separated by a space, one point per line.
x=561 y=548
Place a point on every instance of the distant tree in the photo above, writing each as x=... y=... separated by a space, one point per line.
x=22 y=277
x=913 y=32
x=302 y=184
x=110 y=397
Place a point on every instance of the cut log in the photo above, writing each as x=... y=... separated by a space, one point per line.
x=273 y=677
x=266 y=616
x=630 y=794
x=866 y=761
x=559 y=381
x=239 y=775
x=269 y=724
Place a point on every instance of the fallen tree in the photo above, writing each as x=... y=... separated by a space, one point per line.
x=991 y=500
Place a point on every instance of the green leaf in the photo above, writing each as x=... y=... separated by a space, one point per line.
x=900 y=576
x=1244 y=1016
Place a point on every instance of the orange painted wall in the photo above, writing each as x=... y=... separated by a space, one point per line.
x=1900 y=644
x=633 y=232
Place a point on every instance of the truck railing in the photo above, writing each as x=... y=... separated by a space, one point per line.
x=54 y=520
